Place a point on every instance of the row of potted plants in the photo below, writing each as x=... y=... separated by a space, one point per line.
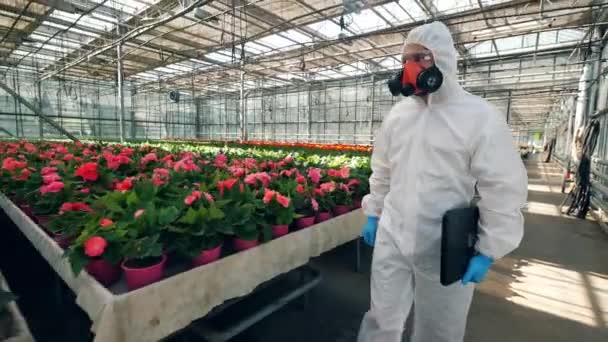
x=286 y=144
x=113 y=206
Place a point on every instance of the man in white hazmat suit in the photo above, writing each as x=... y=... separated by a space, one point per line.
x=432 y=150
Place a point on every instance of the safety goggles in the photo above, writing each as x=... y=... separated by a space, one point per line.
x=417 y=57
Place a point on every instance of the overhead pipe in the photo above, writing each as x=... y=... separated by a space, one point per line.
x=130 y=35
x=411 y=25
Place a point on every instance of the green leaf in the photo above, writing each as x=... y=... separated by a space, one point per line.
x=167 y=215
x=203 y=214
x=190 y=217
x=150 y=214
x=266 y=233
x=78 y=260
x=176 y=229
x=222 y=203
x=215 y=213
x=224 y=228
x=146 y=191
x=132 y=199
x=246 y=233
x=112 y=254
x=112 y=204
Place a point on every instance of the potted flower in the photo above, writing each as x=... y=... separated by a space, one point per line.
x=245 y=214
x=339 y=196
x=70 y=222
x=325 y=203
x=342 y=197
x=305 y=205
x=279 y=211
x=11 y=170
x=98 y=250
x=140 y=221
x=359 y=185
x=47 y=200
x=144 y=260
x=197 y=231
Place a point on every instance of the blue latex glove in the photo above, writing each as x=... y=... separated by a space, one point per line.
x=369 y=230
x=477 y=270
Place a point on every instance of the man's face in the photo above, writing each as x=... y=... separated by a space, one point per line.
x=418 y=54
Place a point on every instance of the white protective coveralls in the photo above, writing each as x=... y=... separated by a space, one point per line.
x=427 y=159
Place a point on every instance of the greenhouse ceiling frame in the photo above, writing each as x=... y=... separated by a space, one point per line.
x=197 y=45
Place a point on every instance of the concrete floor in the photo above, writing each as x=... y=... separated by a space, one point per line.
x=553 y=288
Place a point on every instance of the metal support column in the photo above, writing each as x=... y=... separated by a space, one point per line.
x=371 y=112
x=356 y=122
x=339 y=113
x=40 y=120
x=36 y=110
x=80 y=109
x=299 y=94
x=133 y=130
x=309 y=123
x=324 y=113
x=509 y=108
x=242 y=124
x=225 y=117
x=568 y=149
x=262 y=120
x=121 y=95
x=16 y=106
x=98 y=124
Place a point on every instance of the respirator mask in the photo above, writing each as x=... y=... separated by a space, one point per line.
x=414 y=79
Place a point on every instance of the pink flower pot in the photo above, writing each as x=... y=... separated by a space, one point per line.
x=241 y=245
x=105 y=273
x=279 y=230
x=341 y=210
x=322 y=217
x=305 y=222
x=140 y=277
x=357 y=203
x=207 y=256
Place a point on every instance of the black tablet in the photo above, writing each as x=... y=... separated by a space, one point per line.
x=458 y=238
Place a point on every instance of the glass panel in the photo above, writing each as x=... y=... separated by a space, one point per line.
x=365 y=21
x=413 y=9
x=454 y=6
x=297 y=36
x=569 y=35
x=223 y=56
x=326 y=29
x=393 y=11
x=275 y=41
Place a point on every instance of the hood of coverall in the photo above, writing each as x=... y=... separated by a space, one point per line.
x=437 y=38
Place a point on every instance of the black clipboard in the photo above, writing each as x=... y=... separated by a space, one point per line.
x=458 y=238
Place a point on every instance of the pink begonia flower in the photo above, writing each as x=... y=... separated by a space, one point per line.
x=315 y=175
x=315 y=204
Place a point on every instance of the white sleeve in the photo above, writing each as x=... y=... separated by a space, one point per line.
x=379 y=182
x=503 y=189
